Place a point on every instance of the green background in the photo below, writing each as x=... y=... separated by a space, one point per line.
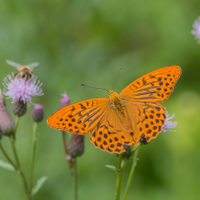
x=86 y=42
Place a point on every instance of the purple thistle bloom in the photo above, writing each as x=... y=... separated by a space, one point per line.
x=64 y=101
x=169 y=124
x=38 y=113
x=19 y=89
x=196 y=29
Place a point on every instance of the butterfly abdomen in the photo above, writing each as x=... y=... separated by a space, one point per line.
x=116 y=102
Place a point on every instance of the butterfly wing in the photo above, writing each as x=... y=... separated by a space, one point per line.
x=110 y=134
x=79 y=117
x=94 y=116
x=155 y=86
x=147 y=120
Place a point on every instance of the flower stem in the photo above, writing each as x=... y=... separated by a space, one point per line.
x=75 y=180
x=7 y=157
x=18 y=169
x=35 y=126
x=64 y=142
x=16 y=126
x=67 y=155
x=119 y=177
x=135 y=151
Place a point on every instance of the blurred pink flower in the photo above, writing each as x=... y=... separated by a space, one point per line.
x=196 y=29
x=169 y=124
x=64 y=101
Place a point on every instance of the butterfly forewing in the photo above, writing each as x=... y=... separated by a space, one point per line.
x=156 y=86
x=79 y=117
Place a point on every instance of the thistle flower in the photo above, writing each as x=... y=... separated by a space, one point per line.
x=18 y=89
x=169 y=124
x=64 y=101
x=196 y=29
x=6 y=123
x=76 y=145
x=38 y=113
x=19 y=108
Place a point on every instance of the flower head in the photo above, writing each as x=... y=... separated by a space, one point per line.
x=19 y=108
x=18 y=89
x=76 y=145
x=38 y=113
x=169 y=124
x=6 y=123
x=196 y=29
x=64 y=101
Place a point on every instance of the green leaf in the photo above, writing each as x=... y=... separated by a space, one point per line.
x=6 y=165
x=38 y=185
x=111 y=167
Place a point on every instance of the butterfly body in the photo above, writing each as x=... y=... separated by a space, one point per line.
x=116 y=102
x=122 y=119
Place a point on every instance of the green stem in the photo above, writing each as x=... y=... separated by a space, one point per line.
x=20 y=170
x=7 y=157
x=67 y=155
x=16 y=126
x=136 y=150
x=119 y=177
x=35 y=126
x=75 y=180
x=65 y=143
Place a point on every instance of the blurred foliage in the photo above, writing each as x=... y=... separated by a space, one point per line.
x=86 y=42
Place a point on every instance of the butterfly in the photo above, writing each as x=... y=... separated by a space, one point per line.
x=122 y=119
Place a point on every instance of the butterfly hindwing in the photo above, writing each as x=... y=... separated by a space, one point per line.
x=155 y=86
x=110 y=134
x=147 y=120
x=79 y=117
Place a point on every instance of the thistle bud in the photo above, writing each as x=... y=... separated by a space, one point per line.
x=64 y=101
x=38 y=113
x=76 y=145
x=143 y=139
x=1 y=133
x=19 y=108
x=127 y=153
x=6 y=123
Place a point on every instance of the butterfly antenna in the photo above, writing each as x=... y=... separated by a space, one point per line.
x=94 y=87
x=116 y=77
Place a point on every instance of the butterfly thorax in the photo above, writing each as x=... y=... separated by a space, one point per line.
x=116 y=102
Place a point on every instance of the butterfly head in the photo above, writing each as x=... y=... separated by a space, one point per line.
x=113 y=95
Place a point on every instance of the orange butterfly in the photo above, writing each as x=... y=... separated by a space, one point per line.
x=122 y=119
